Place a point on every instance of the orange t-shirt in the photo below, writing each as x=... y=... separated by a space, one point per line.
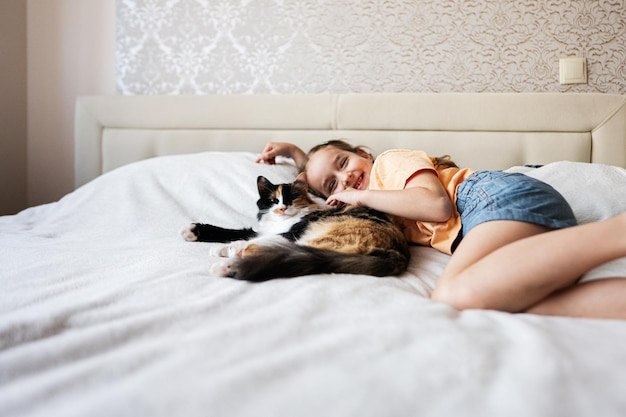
x=394 y=168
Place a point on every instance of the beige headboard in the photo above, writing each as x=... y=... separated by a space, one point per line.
x=482 y=131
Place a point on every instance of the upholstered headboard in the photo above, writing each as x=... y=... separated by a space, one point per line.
x=482 y=131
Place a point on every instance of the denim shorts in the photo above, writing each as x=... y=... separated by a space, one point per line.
x=497 y=195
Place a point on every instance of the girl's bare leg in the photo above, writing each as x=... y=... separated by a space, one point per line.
x=602 y=298
x=511 y=266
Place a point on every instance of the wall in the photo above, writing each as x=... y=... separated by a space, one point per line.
x=70 y=51
x=12 y=106
x=312 y=46
x=276 y=46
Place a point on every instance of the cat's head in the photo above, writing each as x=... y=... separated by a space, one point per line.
x=287 y=199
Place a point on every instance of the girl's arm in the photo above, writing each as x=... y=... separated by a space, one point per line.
x=423 y=199
x=289 y=150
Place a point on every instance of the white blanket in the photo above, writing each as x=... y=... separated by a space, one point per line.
x=106 y=311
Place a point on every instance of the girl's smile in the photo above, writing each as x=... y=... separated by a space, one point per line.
x=332 y=170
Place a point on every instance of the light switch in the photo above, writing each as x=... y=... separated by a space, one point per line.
x=572 y=71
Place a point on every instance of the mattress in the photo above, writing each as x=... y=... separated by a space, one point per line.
x=106 y=311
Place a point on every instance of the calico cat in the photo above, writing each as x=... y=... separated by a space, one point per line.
x=296 y=236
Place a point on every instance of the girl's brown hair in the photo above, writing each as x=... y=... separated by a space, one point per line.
x=443 y=162
x=439 y=161
x=336 y=143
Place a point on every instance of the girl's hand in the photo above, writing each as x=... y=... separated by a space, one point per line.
x=289 y=150
x=271 y=151
x=348 y=196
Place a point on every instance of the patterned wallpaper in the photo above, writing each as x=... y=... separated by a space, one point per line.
x=314 y=46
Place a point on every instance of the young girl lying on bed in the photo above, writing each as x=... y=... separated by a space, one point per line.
x=509 y=234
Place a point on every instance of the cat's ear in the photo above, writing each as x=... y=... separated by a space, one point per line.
x=263 y=183
x=301 y=182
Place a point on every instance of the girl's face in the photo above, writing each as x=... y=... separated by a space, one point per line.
x=331 y=170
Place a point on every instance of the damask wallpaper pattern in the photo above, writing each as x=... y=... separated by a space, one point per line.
x=337 y=46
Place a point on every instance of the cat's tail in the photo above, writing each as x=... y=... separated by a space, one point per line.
x=286 y=260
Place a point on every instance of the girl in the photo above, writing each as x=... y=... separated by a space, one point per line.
x=513 y=248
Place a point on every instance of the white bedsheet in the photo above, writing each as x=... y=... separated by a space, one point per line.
x=106 y=311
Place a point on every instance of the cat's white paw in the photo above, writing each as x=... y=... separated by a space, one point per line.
x=235 y=249
x=220 y=269
x=232 y=250
x=220 y=250
x=188 y=233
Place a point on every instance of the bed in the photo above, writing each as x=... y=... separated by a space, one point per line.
x=107 y=311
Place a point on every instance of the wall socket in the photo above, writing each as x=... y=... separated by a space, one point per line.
x=572 y=70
